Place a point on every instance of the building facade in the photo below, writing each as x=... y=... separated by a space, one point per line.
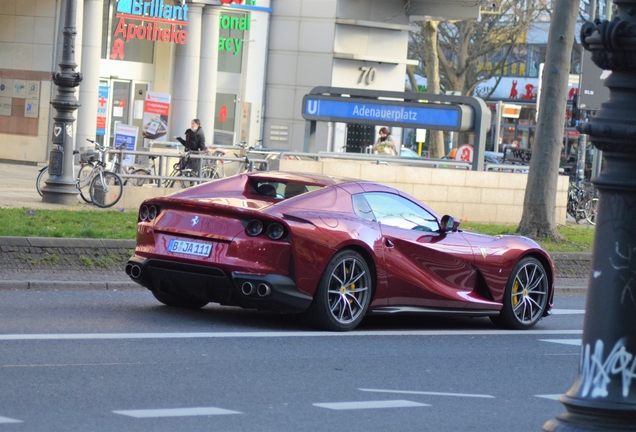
x=240 y=66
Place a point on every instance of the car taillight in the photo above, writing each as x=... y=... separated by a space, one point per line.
x=148 y=213
x=152 y=213
x=254 y=227
x=275 y=231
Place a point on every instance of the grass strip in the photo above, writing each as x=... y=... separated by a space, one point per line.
x=115 y=224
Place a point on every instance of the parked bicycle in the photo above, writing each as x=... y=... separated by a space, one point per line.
x=104 y=187
x=180 y=169
x=118 y=167
x=40 y=182
x=582 y=204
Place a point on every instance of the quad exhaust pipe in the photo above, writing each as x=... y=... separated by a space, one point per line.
x=133 y=270
x=262 y=290
x=247 y=288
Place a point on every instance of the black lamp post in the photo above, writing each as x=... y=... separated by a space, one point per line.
x=603 y=397
x=60 y=186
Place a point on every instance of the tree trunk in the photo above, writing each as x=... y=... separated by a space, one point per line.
x=436 y=138
x=538 y=219
x=410 y=72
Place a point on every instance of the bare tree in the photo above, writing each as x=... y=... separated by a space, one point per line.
x=465 y=47
x=436 y=141
x=538 y=219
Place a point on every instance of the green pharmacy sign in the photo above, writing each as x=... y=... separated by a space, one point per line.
x=229 y=23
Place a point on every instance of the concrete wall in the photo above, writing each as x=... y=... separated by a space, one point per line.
x=477 y=196
x=325 y=43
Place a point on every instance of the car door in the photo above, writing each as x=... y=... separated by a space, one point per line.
x=425 y=267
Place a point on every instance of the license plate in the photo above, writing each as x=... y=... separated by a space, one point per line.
x=190 y=248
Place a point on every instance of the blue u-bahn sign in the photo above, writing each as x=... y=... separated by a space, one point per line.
x=373 y=112
x=401 y=109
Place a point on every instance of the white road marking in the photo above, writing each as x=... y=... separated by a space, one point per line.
x=370 y=405
x=575 y=342
x=551 y=397
x=9 y=420
x=176 y=412
x=568 y=311
x=273 y=334
x=427 y=393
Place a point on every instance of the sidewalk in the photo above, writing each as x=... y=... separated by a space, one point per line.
x=93 y=264
x=17 y=188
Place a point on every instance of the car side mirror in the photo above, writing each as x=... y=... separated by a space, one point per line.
x=448 y=223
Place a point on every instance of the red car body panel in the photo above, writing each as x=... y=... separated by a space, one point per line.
x=447 y=271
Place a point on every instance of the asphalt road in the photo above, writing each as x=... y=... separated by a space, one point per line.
x=114 y=361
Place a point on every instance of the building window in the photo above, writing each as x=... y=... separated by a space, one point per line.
x=234 y=28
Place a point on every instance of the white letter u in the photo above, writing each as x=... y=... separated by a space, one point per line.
x=312 y=107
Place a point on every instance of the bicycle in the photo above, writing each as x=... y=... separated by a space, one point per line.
x=119 y=168
x=180 y=169
x=214 y=169
x=105 y=188
x=582 y=205
x=40 y=182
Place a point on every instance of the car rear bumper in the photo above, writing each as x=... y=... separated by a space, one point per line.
x=256 y=291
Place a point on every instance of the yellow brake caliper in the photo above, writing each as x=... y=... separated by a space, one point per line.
x=344 y=289
x=515 y=290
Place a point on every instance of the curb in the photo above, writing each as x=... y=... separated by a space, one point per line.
x=41 y=286
x=572 y=275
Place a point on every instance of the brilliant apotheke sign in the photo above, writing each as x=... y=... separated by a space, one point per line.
x=152 y=13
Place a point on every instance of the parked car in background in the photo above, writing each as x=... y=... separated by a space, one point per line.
x=493 y=157
x=408 y=153
x=334 y=250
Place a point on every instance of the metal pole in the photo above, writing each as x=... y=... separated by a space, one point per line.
x=580 y=155
x=603 y=396
x=60 y=186
x=496 y=146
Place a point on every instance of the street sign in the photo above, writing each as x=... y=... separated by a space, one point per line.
x=386 y=112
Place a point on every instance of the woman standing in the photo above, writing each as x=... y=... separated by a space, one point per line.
x=385 y=144
x=194 y=141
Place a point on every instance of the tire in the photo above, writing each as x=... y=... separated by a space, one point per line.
x=140 y=181
x=188 y=183
x=343 y=294
x=210 y=172
x=84 y=182
x=591 y=211
x=179 y=301
x=526 y=296
x=40 y=182
x=110 y=197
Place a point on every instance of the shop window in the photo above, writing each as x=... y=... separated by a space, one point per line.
x=225 y=113
x=233 y=32
x=136 y=49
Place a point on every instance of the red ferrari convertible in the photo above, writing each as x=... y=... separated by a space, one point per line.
x=333 y=249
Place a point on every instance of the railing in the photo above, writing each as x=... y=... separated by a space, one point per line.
x=252 y=161
x=507 y=168
x=165 y=162
x=378 y=159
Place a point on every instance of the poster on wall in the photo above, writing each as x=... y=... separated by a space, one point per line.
x=156 y=111
x=102 y=108
x=31 y=108
x=125 y=139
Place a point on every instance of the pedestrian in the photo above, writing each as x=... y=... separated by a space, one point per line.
x=194 y=142
x=385 y=145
